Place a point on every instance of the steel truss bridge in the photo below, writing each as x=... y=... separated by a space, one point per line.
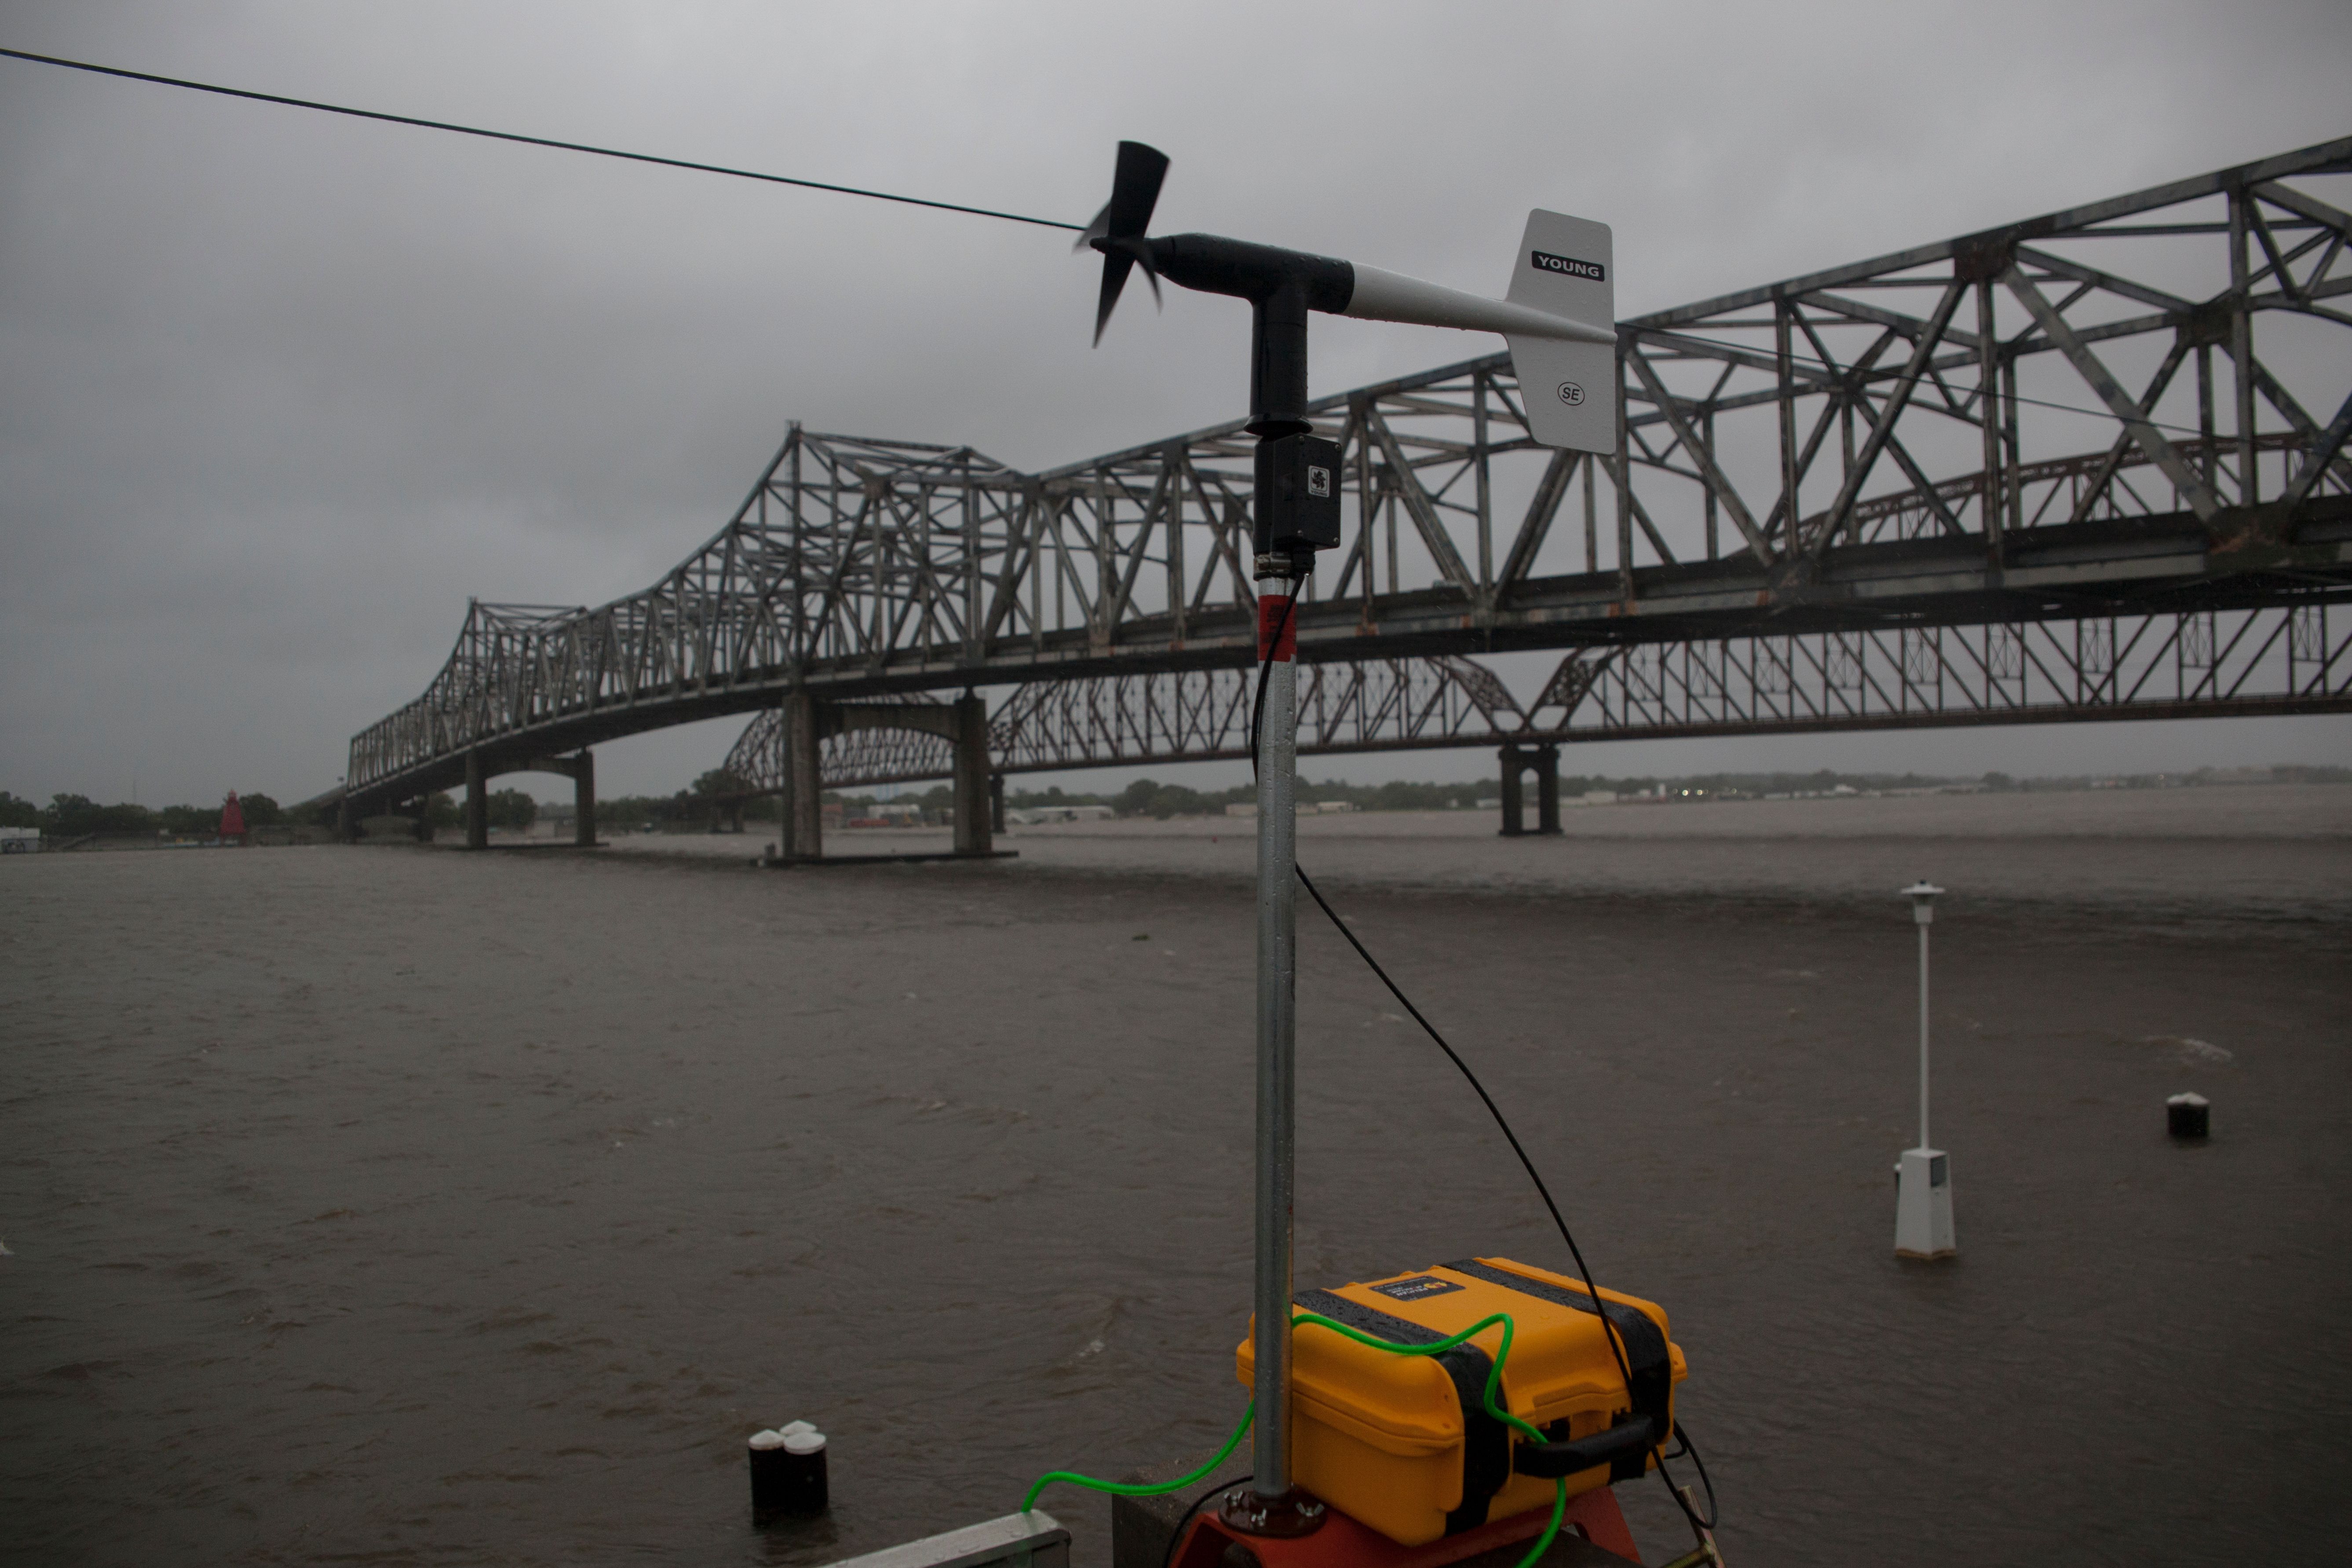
x=2281 y=659
x=2090 y=465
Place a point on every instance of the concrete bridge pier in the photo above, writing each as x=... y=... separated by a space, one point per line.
x=580 y=769
x=1544 y=762
x=801 y=830
x=805 y=722
x=584 y=801
x=975 y=800
x=478 y=801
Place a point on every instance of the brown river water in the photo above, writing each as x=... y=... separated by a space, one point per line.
x=401 y=1206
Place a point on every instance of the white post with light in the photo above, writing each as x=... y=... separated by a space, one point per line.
x=1923 y=1183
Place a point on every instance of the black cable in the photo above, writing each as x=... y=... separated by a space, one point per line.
x=528 y=140
x=1492 y=1110
x=1257 y=714
x=1689 y=1450
x=1583 y=1270
x=1220 y=1490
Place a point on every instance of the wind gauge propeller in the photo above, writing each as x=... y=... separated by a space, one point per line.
x=1558 y=316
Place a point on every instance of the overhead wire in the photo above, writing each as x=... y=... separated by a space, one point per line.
x=527 y=141
x=732 y=172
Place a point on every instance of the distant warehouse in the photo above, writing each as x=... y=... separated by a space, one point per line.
x=1030 y=815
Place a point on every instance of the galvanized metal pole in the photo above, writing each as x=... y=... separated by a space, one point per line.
x=1271 y=1505
x=1922 y=894
x=1923 y=1184
x=1277 y=932
x=1923 y=1036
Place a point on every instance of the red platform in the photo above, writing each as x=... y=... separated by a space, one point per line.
x=1344 y=1543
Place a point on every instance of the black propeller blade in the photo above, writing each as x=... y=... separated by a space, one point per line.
x=1118 y=230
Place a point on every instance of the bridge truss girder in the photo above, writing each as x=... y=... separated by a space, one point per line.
x=2281 y=659
x=2136 y=406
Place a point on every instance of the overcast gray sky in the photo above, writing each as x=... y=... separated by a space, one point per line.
x=282 y=391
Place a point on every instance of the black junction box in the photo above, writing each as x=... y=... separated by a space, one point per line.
x=1298 y=476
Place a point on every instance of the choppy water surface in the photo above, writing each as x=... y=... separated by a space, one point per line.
x=401 y=1206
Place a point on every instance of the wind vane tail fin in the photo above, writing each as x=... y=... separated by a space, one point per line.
x=1566 y=267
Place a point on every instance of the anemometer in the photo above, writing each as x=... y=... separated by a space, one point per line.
x=1559 y=318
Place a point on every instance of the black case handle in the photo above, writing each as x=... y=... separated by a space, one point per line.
x=1550 y=1461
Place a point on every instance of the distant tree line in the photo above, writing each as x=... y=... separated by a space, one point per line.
x=72 y=815
x=720 y=792
x=1149 y=797
x=714 y=794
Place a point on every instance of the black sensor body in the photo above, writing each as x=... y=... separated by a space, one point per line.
x=1281 y=286
x=1297 y=474
x=1298 y=495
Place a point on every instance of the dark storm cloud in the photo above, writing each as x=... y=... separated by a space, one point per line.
x=284 y=390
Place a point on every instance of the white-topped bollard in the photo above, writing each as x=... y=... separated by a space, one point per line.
x=1923 y=1183
x=788 y=1472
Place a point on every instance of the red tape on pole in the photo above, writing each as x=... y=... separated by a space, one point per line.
x=1272 y=610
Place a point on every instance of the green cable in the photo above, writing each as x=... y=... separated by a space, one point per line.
x=1436 y=1347
x=1487 y=1397
x=1145 y=1488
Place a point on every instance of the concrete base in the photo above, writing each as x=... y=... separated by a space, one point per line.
x=789 y=861
x=1143 y=1531
x=1923 y=1204
x=1031 y=1539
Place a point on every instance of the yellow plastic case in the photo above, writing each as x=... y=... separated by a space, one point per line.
x=1383 y=1437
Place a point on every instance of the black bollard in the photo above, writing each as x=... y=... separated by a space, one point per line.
x=766 y=1453
x=788 y=1473
x=2188 y=1115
